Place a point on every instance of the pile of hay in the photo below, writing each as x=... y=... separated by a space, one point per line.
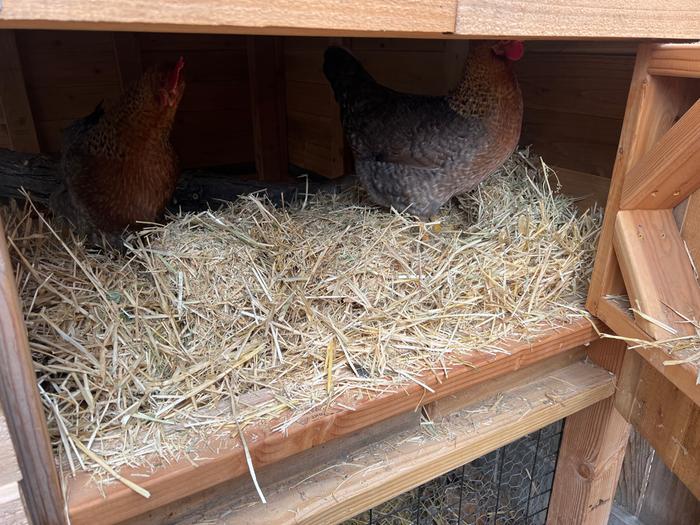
x=681 y=349
x=146 y=353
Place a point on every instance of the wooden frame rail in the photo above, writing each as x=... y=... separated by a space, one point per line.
x=183 y=478
x=357 y=480
x=656 y=169
x=415 y=18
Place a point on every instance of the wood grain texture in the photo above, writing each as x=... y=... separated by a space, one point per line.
x=591 y=83
x=690 y=225
x=620 y=321
x=296 y=467
x=585 y=143
x=344 y=489
x=574 y=103
x=412 y=17
x=268 y=107
x=657 y=271
x=582 y=19
x=453 y=403
x=675 y=60
x=22 y=407
x=684 y=377
x=591 y=454
x=653 y=106
x=606 y=277
x=667 y=496
x=635 y=474
x=549 y=19
x=181 y=478
x=664 y=416
x=13 y=97
x=667 y=174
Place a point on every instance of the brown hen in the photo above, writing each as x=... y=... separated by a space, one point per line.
x=415 y=152
x=118 y=167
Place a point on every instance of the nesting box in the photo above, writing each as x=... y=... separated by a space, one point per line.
x=258 y=112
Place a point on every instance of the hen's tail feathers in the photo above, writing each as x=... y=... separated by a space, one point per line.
x=345 y=74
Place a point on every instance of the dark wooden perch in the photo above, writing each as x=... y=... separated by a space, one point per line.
x=197 y=189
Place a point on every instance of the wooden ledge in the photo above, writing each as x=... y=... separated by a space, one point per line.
x=343 y=488
x=675 y=60
x=683 y=377
x=277 y=17
x=226 y=460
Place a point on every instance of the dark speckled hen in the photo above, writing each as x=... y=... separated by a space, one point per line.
x=415 y=152
x=118 y=167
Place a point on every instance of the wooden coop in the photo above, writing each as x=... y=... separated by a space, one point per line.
x=612 y=104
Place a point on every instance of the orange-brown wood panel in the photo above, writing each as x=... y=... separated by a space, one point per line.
x=22 y=405
x=574 y=95
x=181 y=478
x=591 y=454
x=653 y=105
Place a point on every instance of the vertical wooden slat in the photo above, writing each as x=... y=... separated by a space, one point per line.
x=667 y=418
x=127 y=53
x=268 y=106
x=591 y=454
x=13 y=97
x=635 y=474
x=22 y=406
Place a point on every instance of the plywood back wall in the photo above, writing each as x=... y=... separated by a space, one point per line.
x=68 y=72
x=5 y=141
x=574 y=92
x=575 y=95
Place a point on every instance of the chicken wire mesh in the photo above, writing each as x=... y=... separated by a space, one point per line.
x=509 y=486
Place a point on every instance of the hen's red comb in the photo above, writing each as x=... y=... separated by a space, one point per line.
x=514 y=50
x=174 y=75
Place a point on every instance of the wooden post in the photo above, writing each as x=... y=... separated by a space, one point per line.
x=13 y=97
x=22 y=406
x=268 y=103
x=591 y=454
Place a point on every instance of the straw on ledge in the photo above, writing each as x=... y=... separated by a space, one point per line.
x=287 y=308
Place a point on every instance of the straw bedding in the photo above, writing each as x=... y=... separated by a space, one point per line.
x=141 y=355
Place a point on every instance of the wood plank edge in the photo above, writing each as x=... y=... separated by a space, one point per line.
x=683 y=376
x=87 y=505
x=407 y=467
